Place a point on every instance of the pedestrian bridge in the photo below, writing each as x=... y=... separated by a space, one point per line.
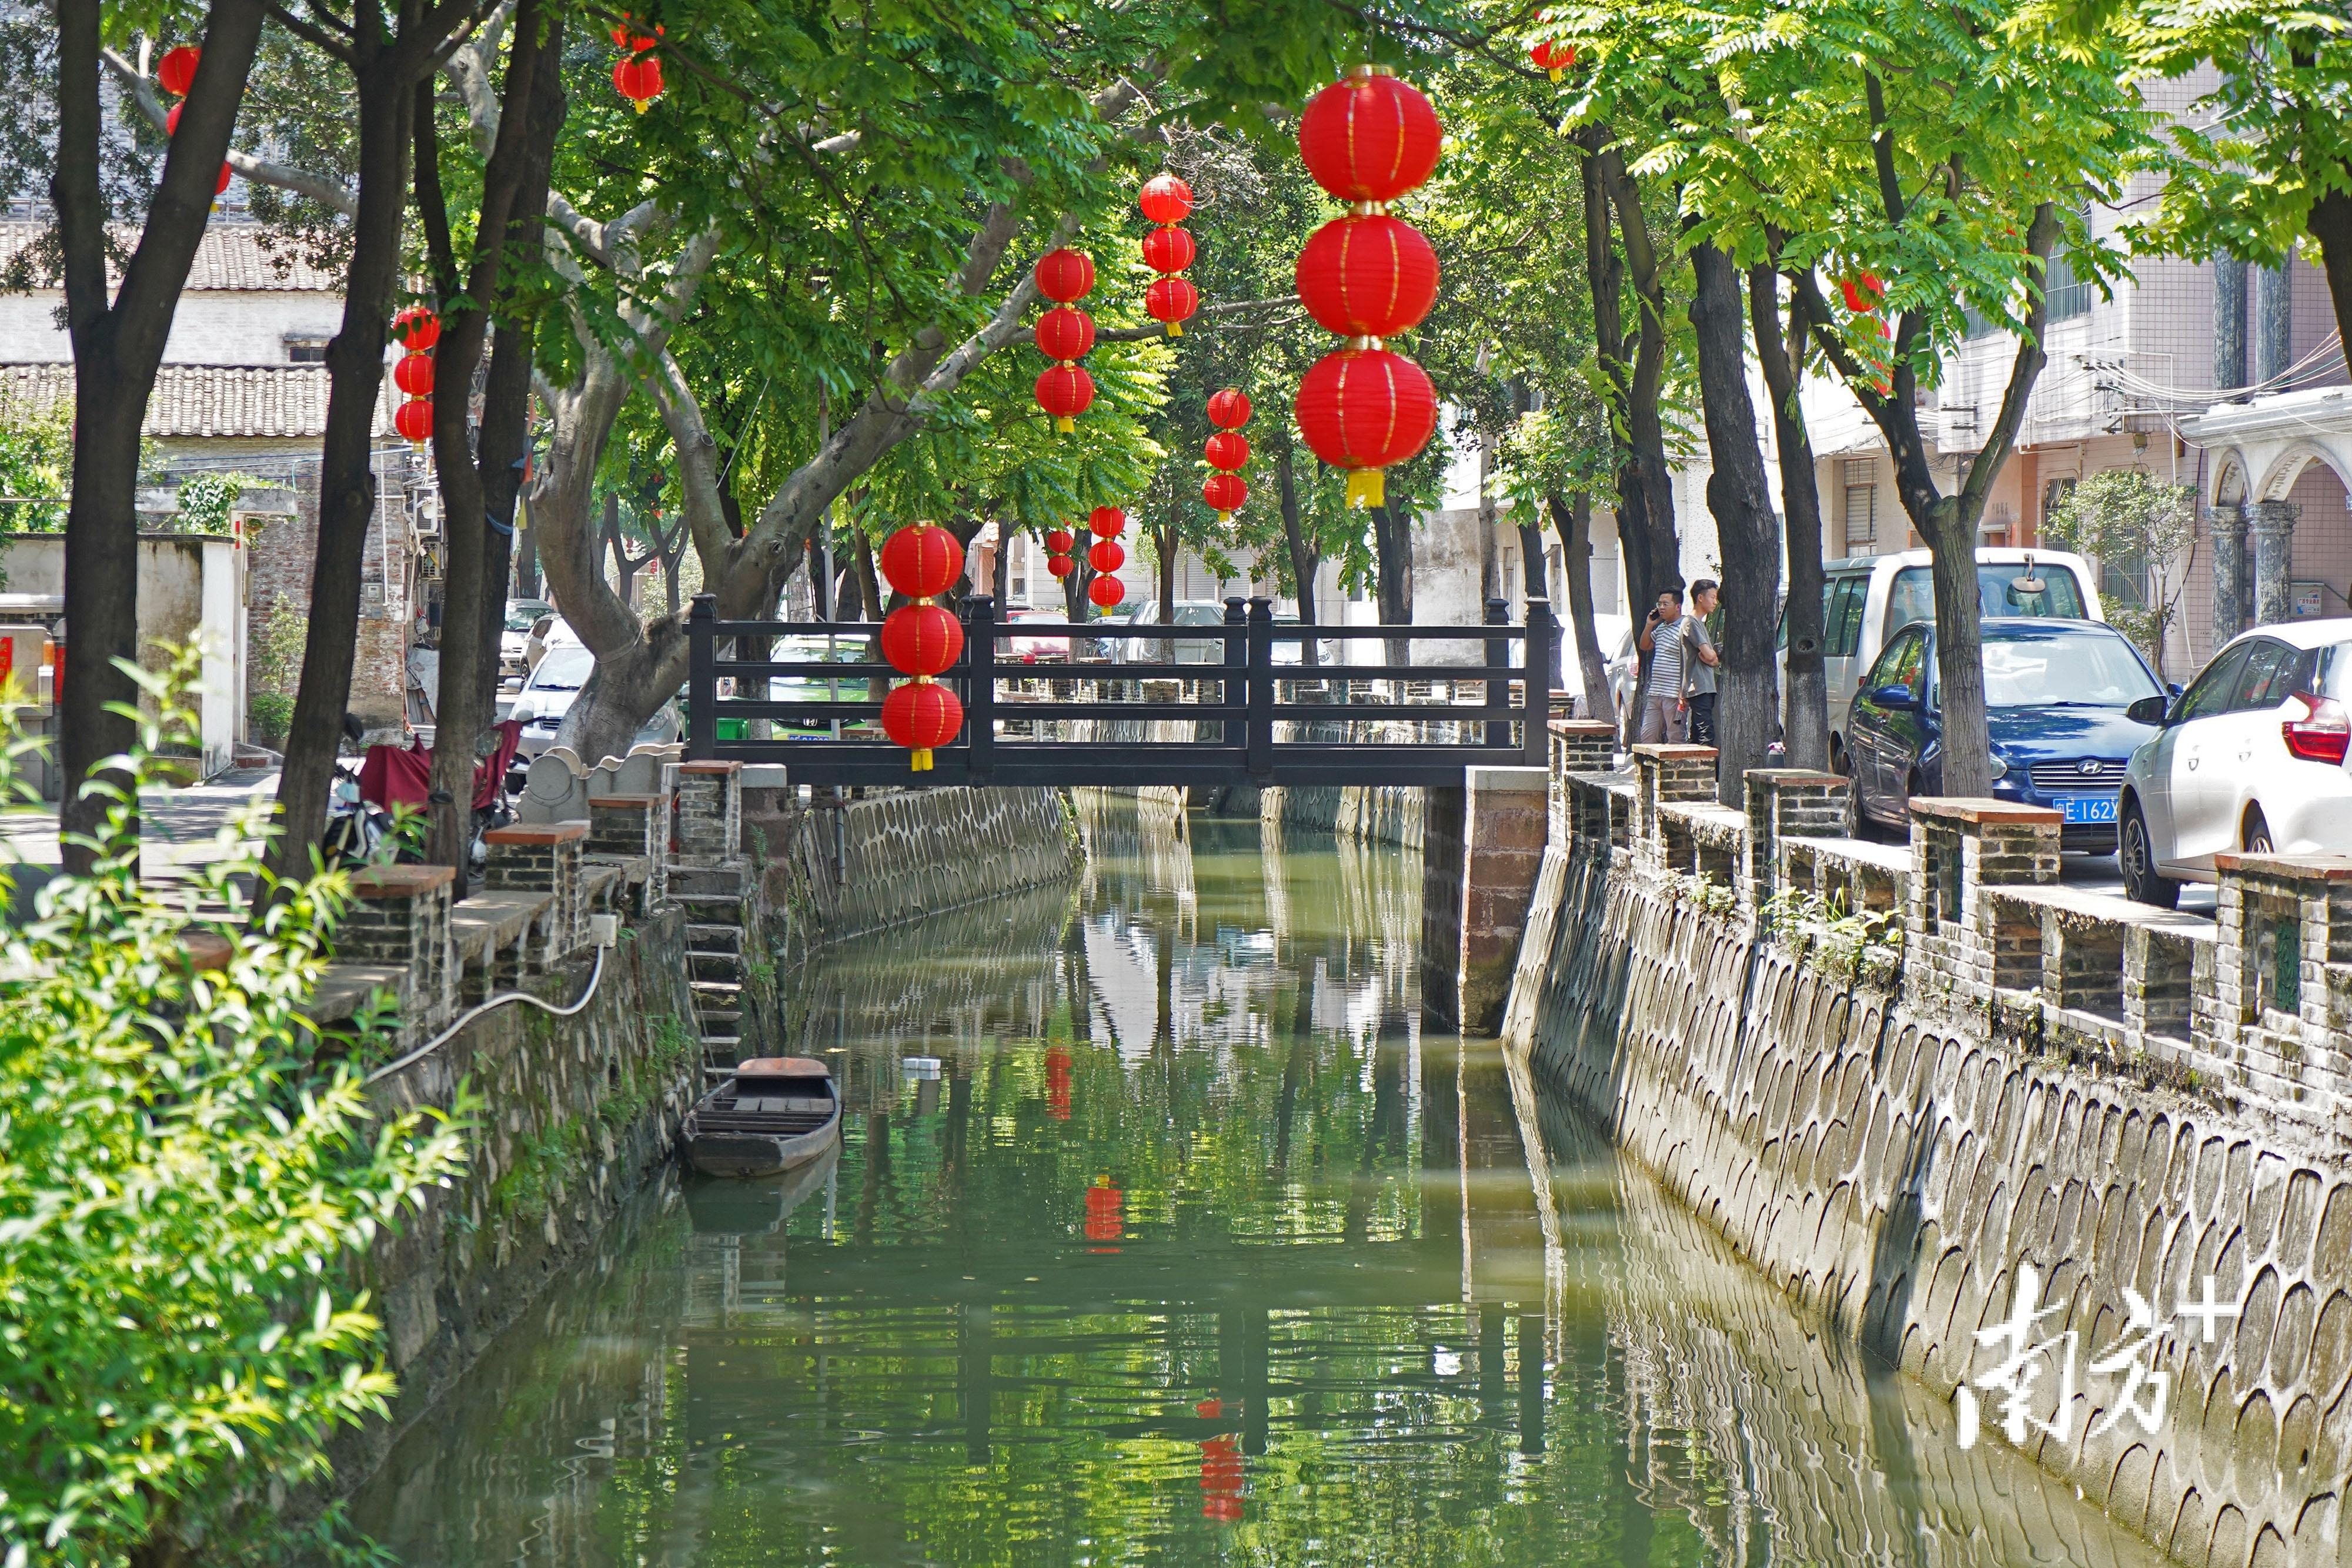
x=1248 y=700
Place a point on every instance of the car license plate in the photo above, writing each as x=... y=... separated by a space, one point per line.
x=2088 y=808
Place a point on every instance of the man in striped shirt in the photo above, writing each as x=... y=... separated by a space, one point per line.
x=1661 y=708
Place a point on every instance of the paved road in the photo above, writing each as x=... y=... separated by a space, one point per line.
x=2100 y=874
x=177 y=829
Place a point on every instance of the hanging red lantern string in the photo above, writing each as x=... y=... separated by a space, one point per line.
x=1106 y=523
x=1227 y=451
x=1058 y=544
x=922 y=640
x=1229 y=408
x=1224 y=494
x=1553 y=56
x=172 y=128
x=637 y=75
x=415 y=329
x=1863 y=292
x=1168 y=250
x=1064 y=390
x=1367 y=140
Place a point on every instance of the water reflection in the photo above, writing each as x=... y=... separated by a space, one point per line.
x=1191 y=1248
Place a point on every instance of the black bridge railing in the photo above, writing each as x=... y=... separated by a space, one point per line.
x=1054 y=703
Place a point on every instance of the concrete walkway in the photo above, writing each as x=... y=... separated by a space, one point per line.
x=178 y=828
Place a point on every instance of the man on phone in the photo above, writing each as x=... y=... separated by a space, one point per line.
x=1700 y=659
x=1662 y=683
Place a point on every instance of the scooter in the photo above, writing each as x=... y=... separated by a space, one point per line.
x=356 y=829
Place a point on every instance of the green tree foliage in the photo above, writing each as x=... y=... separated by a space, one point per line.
x=183 y=1189
x=37 y=472
x=2133 y=522
x=207 y=500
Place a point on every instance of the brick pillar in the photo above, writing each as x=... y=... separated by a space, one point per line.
x=401 y=916
x=1668 y=773
x=545 y=858
x=2283 y=919
x=710 y=812
x=1958 y=941
x=1786 y=803
x=1582 y=745
x=633 y=827
x=1482 y=848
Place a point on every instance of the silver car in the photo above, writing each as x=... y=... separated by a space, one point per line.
x=548 y=693
x=2251 y=758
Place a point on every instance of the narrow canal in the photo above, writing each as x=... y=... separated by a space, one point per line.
x=1162 y=1232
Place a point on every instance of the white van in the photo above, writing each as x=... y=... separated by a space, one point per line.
x=1866 y=600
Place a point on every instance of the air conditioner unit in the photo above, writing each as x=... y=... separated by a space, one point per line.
x=427 y=519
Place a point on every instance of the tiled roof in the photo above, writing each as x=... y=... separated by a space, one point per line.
x=229 y=256
x=206 y=401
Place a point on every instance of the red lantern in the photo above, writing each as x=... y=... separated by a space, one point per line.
x=1367 y=277
x=1173 y=300
x=921 y=639
x=1230 y=409
x=1066 y=275
x=1862 y=293
x=1365 y=410
x=1168 y=250
x=417 y=329
x=175 y=73
x=1554 y=57
x=1065 y=391
x=638 y=79
x=1057 y=1082
x=221 y=184
x=1166 y=199
x=1229 y=450
x=635 y=42
x=1065 y=333
x=1107 y=556
x=1060 y=565
x=1225 y=494
x=171 y=121
x=920 y=714
x=414 y=420
x=921 y=560
x=414 y=375
x=1370 y=138
x=1106 y=592
x=1107 y=522
x=1059 y=541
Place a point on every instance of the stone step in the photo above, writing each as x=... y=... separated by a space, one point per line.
x=733 y=881
x=731 y=1045
x=715 y=966
x=723 y=992
x=714 y=938
x=721 y=1017
x=707 y=904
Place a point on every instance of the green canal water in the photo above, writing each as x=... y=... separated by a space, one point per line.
x=1163 y=1232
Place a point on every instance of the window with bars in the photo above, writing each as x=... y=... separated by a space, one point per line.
x=1861 y=506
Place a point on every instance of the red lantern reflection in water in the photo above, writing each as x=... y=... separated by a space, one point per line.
x=1057 y=1076
x=1104 y=1221
x=1220 y=1468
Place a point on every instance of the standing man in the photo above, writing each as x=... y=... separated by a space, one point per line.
x=1700 y=659
x=1662 y=683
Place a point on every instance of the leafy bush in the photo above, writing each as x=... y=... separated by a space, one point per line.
x=273 y=672
x=207 y=500
x=185 y=1188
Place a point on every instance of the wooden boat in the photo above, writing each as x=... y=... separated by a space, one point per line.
x=747 y=1208
x=774 y=1113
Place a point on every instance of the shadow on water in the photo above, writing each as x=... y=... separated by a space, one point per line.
x=1191 y=1248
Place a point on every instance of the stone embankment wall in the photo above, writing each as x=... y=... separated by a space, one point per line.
x=1894 y=1134
x=839 y=868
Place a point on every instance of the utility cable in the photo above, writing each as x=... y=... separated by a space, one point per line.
x=595 y=977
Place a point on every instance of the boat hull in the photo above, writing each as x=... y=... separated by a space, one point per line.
x=736 y=1154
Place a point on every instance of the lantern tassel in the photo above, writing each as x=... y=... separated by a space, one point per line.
x=1065 y=425
x=1365 y=489
x=1224 y=517
x=1175 y=328
x=920 y=760
x=644 y=104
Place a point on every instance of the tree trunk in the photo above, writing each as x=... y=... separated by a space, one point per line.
x=1306 y=561
x=118 y=344
x=2330 y=222
x=1574 y=521
x=1490 y=568
x=1806 y=732
x=1738 y=493
x=1605 y=275
x=347 y=482
x=1531 y=574
x=1169 y=543
x=1393 y=558
x=869 y=586
x=1661 y=554
x=468 y=658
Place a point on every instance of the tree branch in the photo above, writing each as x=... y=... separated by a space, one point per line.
x=1882 y=149
x=301 y=182
x=2041 y=238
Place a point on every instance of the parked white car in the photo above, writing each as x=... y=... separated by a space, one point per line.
x=548 y=690
x=2252 y=757
x=1189 y=650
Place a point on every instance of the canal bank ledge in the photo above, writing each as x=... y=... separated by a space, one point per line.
x=1894 y=1114
x=717 y=891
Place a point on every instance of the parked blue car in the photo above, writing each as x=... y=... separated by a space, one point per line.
x=2055 y=691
